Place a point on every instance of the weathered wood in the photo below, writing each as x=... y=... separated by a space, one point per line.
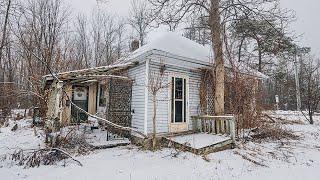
x=220 y=146
x=215 y=125
x=233 y=130
x=66 y=112
x=107 y=146
x=92 y=100
x=104 y=70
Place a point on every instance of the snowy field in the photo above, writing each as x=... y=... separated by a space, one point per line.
x=294 y=159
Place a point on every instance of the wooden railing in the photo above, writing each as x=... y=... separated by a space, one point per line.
x=215 y=125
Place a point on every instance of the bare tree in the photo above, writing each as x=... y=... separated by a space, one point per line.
x=155 y=85
x=139 y=19
x=4 y=29
x=212 y=9
x=39 y=29
x=218 y=16
x=310 y=78
x=107 y=34
x=82 y=44
x=97 y=30
x=196 y=29
x=120 y=37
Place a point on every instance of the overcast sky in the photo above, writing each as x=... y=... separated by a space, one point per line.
x=308 y=23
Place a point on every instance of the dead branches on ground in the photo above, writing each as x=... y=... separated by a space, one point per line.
x=269 y=131
x=37 y=157
x=76 y=142
x=250 y=159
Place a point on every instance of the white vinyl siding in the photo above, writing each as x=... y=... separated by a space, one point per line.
x=163 y=99
x=173 y=64
x=137 y=73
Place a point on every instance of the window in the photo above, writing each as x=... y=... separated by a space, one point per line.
x=178 y=96
x=102 y=98
x=178 y=89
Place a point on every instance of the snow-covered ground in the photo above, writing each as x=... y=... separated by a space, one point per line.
x=286 y=159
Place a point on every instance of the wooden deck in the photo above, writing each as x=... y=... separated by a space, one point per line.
x=211 y=134
x=200 y=143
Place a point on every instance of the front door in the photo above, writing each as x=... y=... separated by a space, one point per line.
x=178 y=103
x=80 y=98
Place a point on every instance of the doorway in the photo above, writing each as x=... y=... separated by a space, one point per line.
x=80 y=98
x=178 y=105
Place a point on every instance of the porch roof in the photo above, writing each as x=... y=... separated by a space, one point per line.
x=91 y=73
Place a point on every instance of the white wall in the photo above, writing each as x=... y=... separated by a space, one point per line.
x=174 y=64
x=138 y=95
x=163 y=98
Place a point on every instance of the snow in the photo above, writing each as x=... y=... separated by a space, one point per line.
x=91 y=70
x=176 y=44
x=100 y=138
x=22 y=138
x=199 y=140
x=285 y=159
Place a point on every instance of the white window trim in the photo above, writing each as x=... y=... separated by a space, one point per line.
x=184 y=76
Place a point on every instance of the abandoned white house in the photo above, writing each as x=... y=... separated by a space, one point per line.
x=121 y=92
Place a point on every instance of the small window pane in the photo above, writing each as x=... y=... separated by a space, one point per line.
x=102 y=98
x=178 y=88
x=178 y=112
x=80 y=94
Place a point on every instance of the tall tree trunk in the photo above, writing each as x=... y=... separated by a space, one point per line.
x=154 y=139
x=310 y=115
x=218 y=68
x=4 y=32
x=240 y=48
x=259 y=57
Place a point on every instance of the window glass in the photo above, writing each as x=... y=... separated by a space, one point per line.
x=184 y=99
x=172 y=100
x=80 y=94
x=178 y=112
x=178 y=89
x=102 y=98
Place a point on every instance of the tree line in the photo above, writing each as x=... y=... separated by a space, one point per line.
x=39 y=36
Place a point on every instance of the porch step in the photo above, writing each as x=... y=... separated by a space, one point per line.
x=200 y=143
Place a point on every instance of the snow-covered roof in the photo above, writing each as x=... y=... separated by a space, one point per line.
x=176 y=44
x=169 y=42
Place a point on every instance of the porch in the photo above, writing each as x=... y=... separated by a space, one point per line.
x=99 y=96
x=209 y=134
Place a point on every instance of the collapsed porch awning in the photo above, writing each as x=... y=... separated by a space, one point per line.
x=91 y=74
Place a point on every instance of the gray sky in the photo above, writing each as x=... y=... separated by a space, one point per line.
x=308 y=23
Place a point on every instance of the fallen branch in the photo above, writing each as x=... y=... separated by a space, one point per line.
x=249 y=159
x=37 y=157
x=67 y=154
x=110 y=146
x=270 y=118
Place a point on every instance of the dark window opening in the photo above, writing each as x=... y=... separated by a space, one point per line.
x=178 y=112
x=172 y=100
x=178 y=88
x=178 y=100
x=102 y=98
x=184 y=100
